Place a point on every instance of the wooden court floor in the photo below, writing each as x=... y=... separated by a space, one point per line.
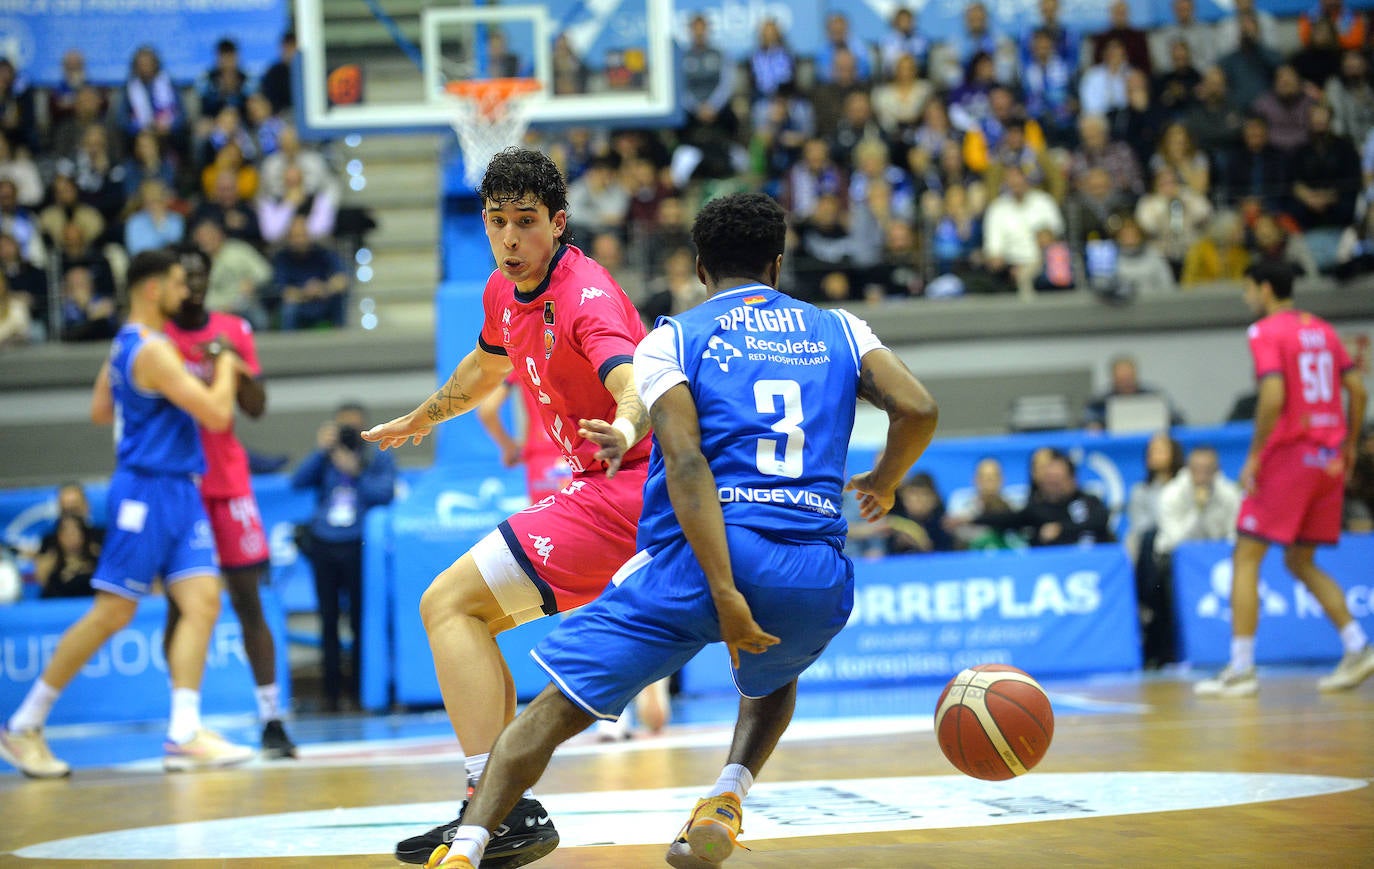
x=1099 y=766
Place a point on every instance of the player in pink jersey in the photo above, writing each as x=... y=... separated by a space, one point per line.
x=227 y=488
x=565 y=328
x=1294 y=476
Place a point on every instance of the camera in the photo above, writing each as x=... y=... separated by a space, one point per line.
x=350 y=438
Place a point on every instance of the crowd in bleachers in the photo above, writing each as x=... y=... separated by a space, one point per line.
x=1128 y=161
x=91 y=175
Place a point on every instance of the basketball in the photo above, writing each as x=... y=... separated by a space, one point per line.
x=994 y=722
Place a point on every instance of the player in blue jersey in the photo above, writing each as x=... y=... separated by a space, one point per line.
x=752 y=396
x=157 y=526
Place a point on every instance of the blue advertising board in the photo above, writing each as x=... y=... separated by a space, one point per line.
x=34 y=34
x=1292 y=627
x=1052 y=611
x=126 y=680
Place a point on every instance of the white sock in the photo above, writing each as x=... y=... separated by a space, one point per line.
x=470 y=841
x=33 y=712
x=475 y=764
x=185 y=715
x=734 y=779
x=1353 y=638
x=269 y=702
x=1243 y=653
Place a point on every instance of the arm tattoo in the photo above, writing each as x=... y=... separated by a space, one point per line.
x=441 y=404
x=874 y=394
x=630 y=407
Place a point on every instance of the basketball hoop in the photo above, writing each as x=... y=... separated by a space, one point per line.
x=489 y=115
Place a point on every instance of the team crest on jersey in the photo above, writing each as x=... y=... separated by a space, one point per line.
x=721 y=352
x=589 y=293
x=755 y=300
x=548 y=313
x=548 y=342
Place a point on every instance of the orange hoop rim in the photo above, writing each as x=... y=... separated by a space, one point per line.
x=492 y=91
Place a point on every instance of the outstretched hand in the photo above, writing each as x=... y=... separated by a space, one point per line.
x=738 y=629
x=873 y=501
x=611 y=441
x=395 y=433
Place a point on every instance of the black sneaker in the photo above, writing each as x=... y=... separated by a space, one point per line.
x=523 y=837
x=275 y=743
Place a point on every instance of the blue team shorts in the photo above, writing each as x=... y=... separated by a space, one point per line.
x=661 y=615
x=157 y=527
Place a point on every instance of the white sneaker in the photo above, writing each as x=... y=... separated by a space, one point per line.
x=28 y=752
x=1353 y=669
x=206 y=750
x=1230 y=682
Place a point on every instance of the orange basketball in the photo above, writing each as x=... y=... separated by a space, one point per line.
x=345 y=84
x=994 y=722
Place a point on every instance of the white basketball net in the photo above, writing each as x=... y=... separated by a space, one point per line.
x=486 y=124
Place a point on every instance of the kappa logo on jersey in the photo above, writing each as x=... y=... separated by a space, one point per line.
x=543 y=546
x=721 y=351
x=589 y=293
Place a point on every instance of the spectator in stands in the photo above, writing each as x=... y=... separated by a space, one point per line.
x=275 y=216
x=1060 y=514
x=1067 y=44
x=814 y=175
x=956 y=241
x=1163 y=459
x=1213 y=121
x=968 y=103
x=980 y=37
x=19 y=223
x=88 y=108
x=27 y=283
x=1249 y=69
x=225 y=84
x=936 y=132
x=781 y=124
x=988 y=498
x=1175 y=87
x=154 y=224
x=837 y=39
x=77 y=250
x=597 y=202
x=1201 y=38
x=1326 y=178
x=1220 y=255
x=570 y=74
x=227 y=126
x=1178 y=152
x=1096 y=150
x=898 y=103
x=148 y=160
x=16 y=109
x=1272 y=242
x=67 y=207
x=349 y=477
x=676 y=290
x=646 y=188
x=276 y=83
x=64 y=95
x=707 y=83
x=238 y=272
x=1141 y=270
x=15 y=324
x=310 y=280
x=231 y=160
x=1140 y=122
x=1287 y=108
x=916 y=522
x=825 y=244
x=1350 y=26
x=1095 y=209
x=1256 y=171
x=772 y=65
x=899 y=273
x=227 y=207
x=66 y=570
x=150 y=101
x=1320 y=59
x=20 y=170
x=1103 y=86
x=315 y=172
x=608 y=250
x=827 y=98
x=1010 y=248
x=983 y=140
x=902 y=39
x=1047 y=77
x=86 y=314
x=1229 y=28
x=1134 y=40
x=1125 y=380
x=856 y=124
x=1173 y=217
x=1199 y=503
x=1351 y=97
x=1022 y=144
x=501 y=61
x=871 y=167
x=99 y=176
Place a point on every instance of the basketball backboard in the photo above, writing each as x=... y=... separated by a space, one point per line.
x=383 y=64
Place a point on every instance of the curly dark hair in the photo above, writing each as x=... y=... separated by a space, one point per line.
x=516 y=173
x=739 y=235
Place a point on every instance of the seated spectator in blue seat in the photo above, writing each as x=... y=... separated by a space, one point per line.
x=916 y=521
x=67 y=568
x=154 y=224
x=310 y=279
x=1061 y=513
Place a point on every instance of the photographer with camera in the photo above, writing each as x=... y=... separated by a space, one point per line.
x=349 y=477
